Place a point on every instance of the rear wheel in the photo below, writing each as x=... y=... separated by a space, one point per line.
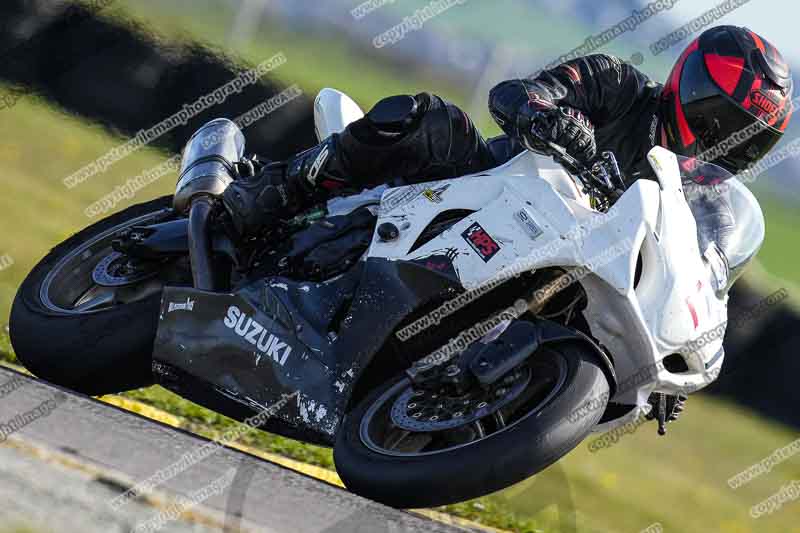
x=86 y=316
x=406 y=447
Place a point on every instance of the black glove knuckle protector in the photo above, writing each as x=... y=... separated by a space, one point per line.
x=564 y=126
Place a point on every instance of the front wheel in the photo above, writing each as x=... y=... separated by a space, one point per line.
x=411 y=448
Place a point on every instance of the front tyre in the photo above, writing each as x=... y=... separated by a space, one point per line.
x=408 y=448
x=85 y=318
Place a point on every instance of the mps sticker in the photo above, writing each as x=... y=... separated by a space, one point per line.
x=481 y=242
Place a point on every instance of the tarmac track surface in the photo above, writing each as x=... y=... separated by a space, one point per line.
x=64 y=458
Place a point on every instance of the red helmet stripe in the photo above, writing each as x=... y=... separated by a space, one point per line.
x=726 y=71
x=758 y=41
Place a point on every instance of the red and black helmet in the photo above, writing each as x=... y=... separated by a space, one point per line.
x=726 y=80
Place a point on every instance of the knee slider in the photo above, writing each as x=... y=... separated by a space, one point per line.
x=395 y=115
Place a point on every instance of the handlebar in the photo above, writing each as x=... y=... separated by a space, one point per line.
x=602 y=175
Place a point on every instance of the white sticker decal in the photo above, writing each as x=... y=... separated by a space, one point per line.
x=188 y=305
x=526 y=221
x=316 y=166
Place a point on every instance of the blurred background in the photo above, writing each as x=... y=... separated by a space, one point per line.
x=79 y=79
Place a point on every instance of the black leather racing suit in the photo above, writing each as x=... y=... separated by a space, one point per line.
x=405 y=139
x=620 y=101
x=440 y=141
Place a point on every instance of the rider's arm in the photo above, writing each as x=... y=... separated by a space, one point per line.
x=600 y=86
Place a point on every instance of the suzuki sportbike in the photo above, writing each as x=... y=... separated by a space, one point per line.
x=447 y=339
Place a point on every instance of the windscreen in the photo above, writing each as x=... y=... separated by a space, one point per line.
x=727 y=214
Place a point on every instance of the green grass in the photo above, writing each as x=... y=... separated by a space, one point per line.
x=314 y=59
x=780 y=253
x=36 y=210
x=679 y=481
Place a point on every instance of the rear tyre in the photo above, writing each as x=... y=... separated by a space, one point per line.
x=424 y=468
x=68 y=330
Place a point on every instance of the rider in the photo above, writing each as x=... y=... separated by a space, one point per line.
x=726 y=80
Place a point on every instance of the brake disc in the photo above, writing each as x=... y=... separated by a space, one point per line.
x=427 y=411
x=115 y=270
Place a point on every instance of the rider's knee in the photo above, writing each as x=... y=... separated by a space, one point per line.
x=437 y=128
x=393 y=119
x=420 y=137
x=395 y=116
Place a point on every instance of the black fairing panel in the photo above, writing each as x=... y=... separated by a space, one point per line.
x=389 y=292
x=272 y=338
x=245 y=345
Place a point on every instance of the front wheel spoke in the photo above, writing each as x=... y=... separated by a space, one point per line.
x=408 y=442
x=95 y=298
x=479 y=429
x=138 y=292
x=395 y=438
x=499 y=420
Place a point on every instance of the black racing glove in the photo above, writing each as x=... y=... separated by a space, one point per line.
x=258 y=201
x=542 y=122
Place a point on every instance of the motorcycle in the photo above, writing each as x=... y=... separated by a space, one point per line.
x=447 y=339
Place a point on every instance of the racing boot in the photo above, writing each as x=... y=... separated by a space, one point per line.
x=283 y=189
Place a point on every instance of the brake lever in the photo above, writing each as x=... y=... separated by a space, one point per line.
x=603 y=173
x=606 y=164
x=575 y=167
x=560 y=156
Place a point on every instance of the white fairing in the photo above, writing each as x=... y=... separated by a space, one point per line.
x=333 y=111
x=540 y=218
